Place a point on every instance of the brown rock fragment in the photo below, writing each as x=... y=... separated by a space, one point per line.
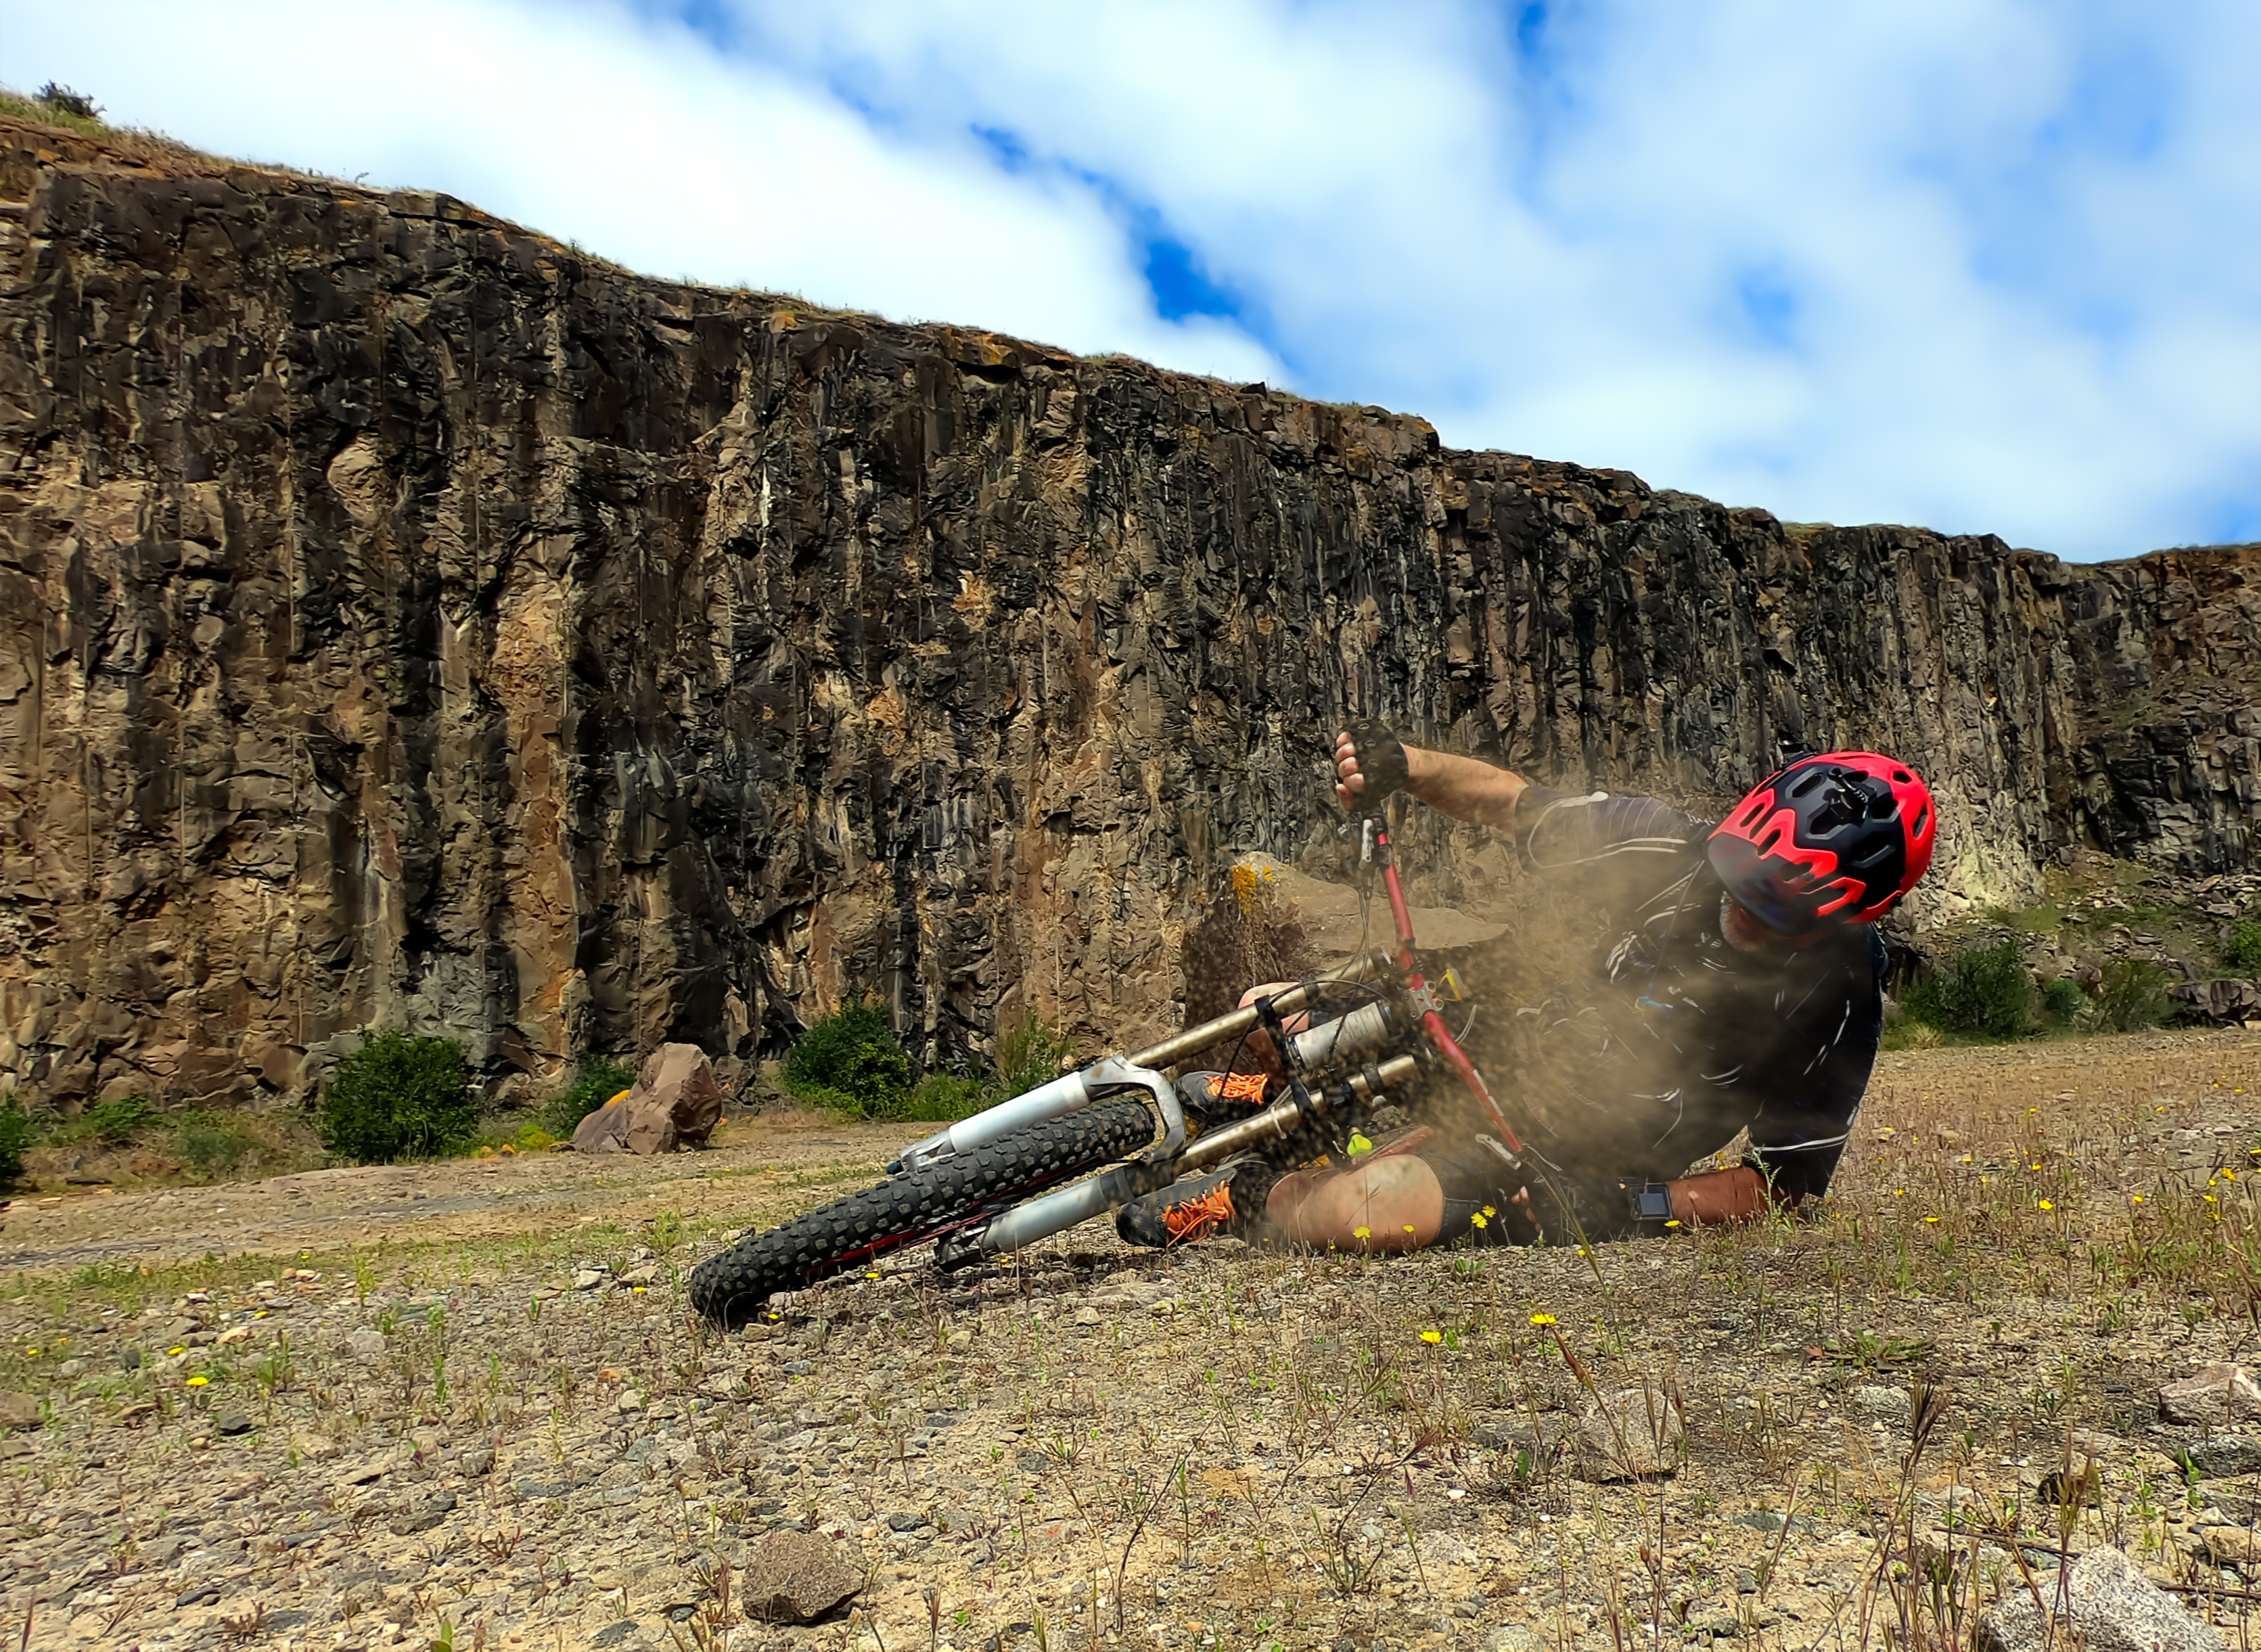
x=798 y=1577
x=2212 y=1395
x=675 y=1103
x=1632 y=1433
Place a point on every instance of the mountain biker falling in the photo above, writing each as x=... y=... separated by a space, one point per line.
x=1739 y=988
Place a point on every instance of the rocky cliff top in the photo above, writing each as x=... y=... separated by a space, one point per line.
x=405 y=619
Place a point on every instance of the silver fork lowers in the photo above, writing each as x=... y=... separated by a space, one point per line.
x=1073 y=1092
x=1055 y=1212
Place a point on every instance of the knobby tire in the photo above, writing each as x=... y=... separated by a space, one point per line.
x=732 y=1288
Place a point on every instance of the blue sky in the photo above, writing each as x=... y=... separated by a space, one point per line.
x=1987 y=266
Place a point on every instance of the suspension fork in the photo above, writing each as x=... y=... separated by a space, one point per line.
x=1377 y=849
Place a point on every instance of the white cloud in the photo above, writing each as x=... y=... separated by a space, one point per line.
x=1990 y=265
x=634 y=137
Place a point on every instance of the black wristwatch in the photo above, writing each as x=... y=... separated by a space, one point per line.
x=1651 y=1206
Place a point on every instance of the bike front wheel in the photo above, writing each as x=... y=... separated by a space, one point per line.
x=733 y=1288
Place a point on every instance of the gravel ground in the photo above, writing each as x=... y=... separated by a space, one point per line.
x=503 y=1429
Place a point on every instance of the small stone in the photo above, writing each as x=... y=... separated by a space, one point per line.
x=1512 y=1637
x=423 y=1516
x=590 y=1278
x=161 y=1552
x=2214 y=1395
x=799 y=1368
x=362 y=1473
x=367 y=1342
x=19 y=1411
x=630 y=1401
x=2219 y=1456
x=1631 y=1433
x=905 y=1522
x=2112 y=1606
x=1032 y=1461
x=798 y=1577
x=2230 y=1546
x=477 y=1460
x=1890 y=1404
x=231 y=1424
x=643 y=1274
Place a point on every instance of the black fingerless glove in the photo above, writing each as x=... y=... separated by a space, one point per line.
x=1381 y=760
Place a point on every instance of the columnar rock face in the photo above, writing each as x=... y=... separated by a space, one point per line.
x=405 y=620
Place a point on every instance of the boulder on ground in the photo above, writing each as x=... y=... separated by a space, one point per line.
x=2214 y=1395
x=2109 y=1606
x=19 y=1411
x=2221 y=1001
x=797 y=1577
x=1632 y=1433
x=2222 y=1456
x=675 y=1103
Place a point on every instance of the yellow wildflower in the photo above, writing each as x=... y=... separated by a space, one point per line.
x=1489 y=1212
x=1478 y=1219
x=1359 y=1143
x=1542 y=1318
x=198 y=1382
x=1672 y=1221
x=2046 y=1205
x=1432 y=1337
x=1931 y=1218
x=174 y=1353
x=1362 y=1232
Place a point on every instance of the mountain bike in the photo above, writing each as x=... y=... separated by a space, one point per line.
x=1349 y=1044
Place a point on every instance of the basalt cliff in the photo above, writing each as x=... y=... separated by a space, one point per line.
x=406 y=620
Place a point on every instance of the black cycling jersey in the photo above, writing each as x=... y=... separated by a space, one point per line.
x=1685 y=1040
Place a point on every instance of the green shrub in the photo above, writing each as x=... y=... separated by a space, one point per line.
x=2063 y=1002
x=114 y=1123
x=850 y=1062
x=1981 y=991
x=940 y=1097
x=2134 y=997
x=212 y=1146
x=2242 y=952
x=399 y=1097
x=1027 y=1056
x=596 y=1082
x=15 y=1138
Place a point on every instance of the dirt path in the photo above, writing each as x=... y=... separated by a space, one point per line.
x=769 y=1166
x=759 y=1169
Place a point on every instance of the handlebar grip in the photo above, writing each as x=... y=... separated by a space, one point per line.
x=1381 y=760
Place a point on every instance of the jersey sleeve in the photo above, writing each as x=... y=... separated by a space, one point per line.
x=1801 y=1131
x=1620 y=853
x=1556 y=830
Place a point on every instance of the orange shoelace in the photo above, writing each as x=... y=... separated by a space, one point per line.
x=1197 y=1218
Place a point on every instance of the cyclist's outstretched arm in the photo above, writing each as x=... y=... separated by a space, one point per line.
x=1462 y=787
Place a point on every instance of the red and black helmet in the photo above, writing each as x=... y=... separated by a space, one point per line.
x=1837 y=838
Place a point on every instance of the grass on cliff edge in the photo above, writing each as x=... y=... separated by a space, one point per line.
x=137 y=142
